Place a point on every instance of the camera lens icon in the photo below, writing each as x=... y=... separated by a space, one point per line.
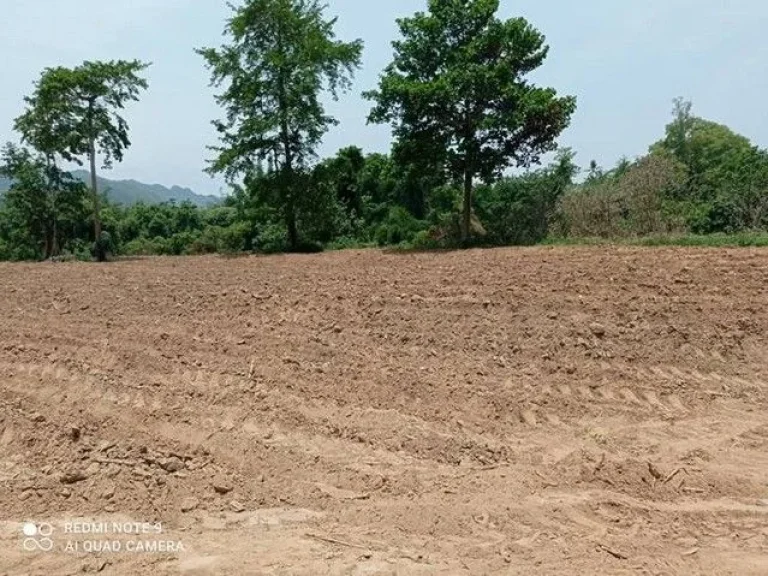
x=37 y=537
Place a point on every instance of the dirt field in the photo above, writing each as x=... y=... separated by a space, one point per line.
x=541 y=411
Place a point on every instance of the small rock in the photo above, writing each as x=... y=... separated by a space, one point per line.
x=37 y=417
x=105 y=445
x=189 y=504
x=24 y=496
x=109 y=493
x=171 y=465
x=222 y=487
x=143 y=472
x=93 y=469
x=73 y=433
x=687 y=542
x=73 y=477
x=237 y=507
x=597 y=329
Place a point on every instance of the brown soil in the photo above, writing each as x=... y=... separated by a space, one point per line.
x=541 y=411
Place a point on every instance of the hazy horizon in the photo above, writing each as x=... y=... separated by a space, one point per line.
x=625 y=63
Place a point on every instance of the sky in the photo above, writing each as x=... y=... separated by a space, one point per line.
x=624 y=61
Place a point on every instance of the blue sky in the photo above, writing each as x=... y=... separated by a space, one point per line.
x=625 y=61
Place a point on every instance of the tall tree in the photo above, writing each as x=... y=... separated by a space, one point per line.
x=457 y=84
x=281 y=55
x=709 y=151
x=74 y=112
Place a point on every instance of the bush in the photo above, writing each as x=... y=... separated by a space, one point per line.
x=80 y=250
x=517 y=211
x=632 y=203
x=221 y=216
x=426 y=240
x=234 y=238
x=208 y=241
x=347 y=243
x=272 y=239
x=400 y=226
x=181 y=243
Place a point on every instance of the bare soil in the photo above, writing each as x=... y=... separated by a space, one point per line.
x=533 y=411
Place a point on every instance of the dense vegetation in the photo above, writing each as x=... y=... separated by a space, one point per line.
x=463 y=114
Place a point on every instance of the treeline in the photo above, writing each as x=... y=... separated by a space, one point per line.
x=700 y=178
x=469 y=130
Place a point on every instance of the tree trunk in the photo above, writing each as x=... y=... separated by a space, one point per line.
x=293 y=232
x=469 y=157
x=95 y=191
x=54 y=184
x=100 y=256
x=48 y=249
x=55 y=250
x=466 y=216
x=285 y=138
x=288 y=185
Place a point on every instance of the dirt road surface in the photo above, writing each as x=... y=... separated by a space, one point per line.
x=534 y=411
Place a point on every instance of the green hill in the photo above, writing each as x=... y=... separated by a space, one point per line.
x=130 y=192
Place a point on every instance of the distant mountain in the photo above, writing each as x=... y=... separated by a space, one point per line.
x=130 y=192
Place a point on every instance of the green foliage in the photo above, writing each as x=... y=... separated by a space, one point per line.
x=519 y=210
x=719 y=240
x=73 y=108
x=630 y=201
x=272 y=239
x=74 y=113
x=399 y=227
x=41 y=205
x=234 y=238
x=457 y=92
x=726 y=187
x=464 y=111
x=281 y=55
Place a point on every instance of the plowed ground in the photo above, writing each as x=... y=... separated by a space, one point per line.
x=538 y=411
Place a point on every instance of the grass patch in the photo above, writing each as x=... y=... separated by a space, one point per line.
x=738 y=240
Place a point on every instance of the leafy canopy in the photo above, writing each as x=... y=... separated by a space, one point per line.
x=282 y=55
x=457 y=84
x=73 y=107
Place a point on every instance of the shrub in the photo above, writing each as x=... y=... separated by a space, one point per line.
x=592 y=210
x=272 y=239
x=400 y=226
x=181 y=243
x=144 y=247
x=207 y=242
x=234 y=238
